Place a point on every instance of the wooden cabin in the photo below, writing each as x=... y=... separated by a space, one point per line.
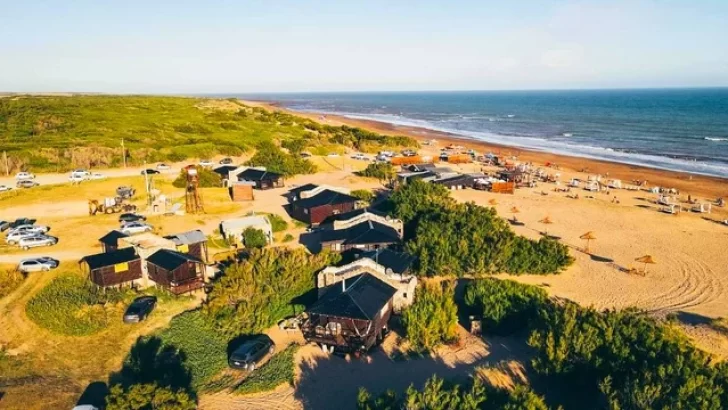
x=262 y=179
x=121 y=267
x=366 y=236
x=315 y=209
x=110 y=241
x=351 y=316
x=456 y=182
x=192 y=243
x=242 y=191
x=175 y=271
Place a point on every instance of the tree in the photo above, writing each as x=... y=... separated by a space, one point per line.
x=383 y=171
x=254 y=238
x=504 y=305
x=207 y=178
x=364 y=195
x=273 y=159
x=432 y=319
x=148 y=397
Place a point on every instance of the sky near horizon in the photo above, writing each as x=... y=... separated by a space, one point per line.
x=292 y=46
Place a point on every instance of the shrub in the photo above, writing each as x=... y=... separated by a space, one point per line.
x=432 y=319
x=263 y=289
x=254 y=238
x=148 y=397
x=279 y=370
x=504 y=305
x=207 y=178
x=383 y=171
x=277 y=222
x=71 y=305
x=288 y=238
x=364 y=195
x=9 y=281
x=275 y=160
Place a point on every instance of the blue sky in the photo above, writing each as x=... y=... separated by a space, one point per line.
x=292 y=45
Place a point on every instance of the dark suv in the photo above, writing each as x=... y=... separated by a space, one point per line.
x=252 y=354
x=139 y=309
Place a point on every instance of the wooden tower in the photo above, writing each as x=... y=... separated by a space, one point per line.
x=193 y=199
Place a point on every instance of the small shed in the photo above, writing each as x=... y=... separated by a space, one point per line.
x=176 y=271
x=232 y=229
x=224 y=172
x=115 y=268
x=315 y=209
x=263 y=179
x=367 y=235
x=242 y=191
x=110 y=241
x=191 y=242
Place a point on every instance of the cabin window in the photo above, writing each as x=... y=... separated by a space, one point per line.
x=336 y=212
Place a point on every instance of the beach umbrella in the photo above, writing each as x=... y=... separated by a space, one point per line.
x=589 y=236
x=546 y=221
x=493 y=202
x=646 y=259
x=514 y=211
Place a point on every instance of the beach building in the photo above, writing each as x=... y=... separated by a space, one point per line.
x=351 y=218
x=241 y=191
x=224 y=172
x=232 y=229
x=115 y=268
x=261 y=178
x=351 y=316
x=191 y=242
x=176 y=271
x=456 y=182
x=369 y=234
x=317 y=204
x=110 y=241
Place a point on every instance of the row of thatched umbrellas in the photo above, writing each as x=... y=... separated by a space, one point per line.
x=588 y=237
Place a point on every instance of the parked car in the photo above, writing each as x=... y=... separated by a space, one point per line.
x=16 y=223
x=206 y=163
x=26 y=183
x=97 y=176
x=125 y=192
x=15 y=237
x=131 y=217
x=226 y=161
x=24 y=175
x=252 y=354
x=43 y=264
x=4 y=225
x=75 y=178
x=29 y=228
x=409 y=153
x=5 y=188
x=163 y=167
x=360 y=157
x=37 y=240
x=149 y=171
x=333 y=155
x=80 y=173
x=140 y=309
x=305 y=155
x=135 y=227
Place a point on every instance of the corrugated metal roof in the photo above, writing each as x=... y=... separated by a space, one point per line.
x=187 y=238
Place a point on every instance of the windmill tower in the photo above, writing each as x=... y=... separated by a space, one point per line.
x=193 y=199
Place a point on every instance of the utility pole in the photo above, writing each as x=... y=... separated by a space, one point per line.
x=123 y=151
x=7 y=166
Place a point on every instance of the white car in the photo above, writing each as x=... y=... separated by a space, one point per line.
x=97 y=176
x=136 y=227
x=75 y=178
x=163 y=167
x=15 y=237
x=206 y=163
x=29 y=228
x=37 y=240
x=80 y=173
x=42 y=264
x=359 y=156
x=24 y=175
x=5 y=188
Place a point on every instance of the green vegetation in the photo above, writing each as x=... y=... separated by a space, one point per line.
x=277 y=222
x=204 y=348
x=275 y=160
x=452 y=238
x=71 y=305
x=254 y=238
x=207 y=178
x=364 y=195
x=87 y=131
x=288 y=238
x=263 y=289
x=503 y=305
x=440 y=395
x=277 y=371
x=432 y=319
x=9 y=281
x=383 y=171
x=148 y=397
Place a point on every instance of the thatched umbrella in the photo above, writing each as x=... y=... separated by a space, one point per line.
x=514 y=211
x=546 y=221
x=589 y=236
x=493 y=202
x=646 y=259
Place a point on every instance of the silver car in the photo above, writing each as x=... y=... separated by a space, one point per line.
x=42 y=264
x=135 y=227
x=29 y=228
x=37 y=240
x=14 y=237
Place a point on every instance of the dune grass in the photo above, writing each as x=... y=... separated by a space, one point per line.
x=277 y=371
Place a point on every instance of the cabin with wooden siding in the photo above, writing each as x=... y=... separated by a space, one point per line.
x=175 y=271
x=110 y=241
x=117 y=268
x=261 y=178
x=351 y=316
x=313 y=210
x=191 y=242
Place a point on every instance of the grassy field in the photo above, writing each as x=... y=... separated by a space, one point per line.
x=60 y=133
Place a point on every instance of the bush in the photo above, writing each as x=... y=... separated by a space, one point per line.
x=275 y=160
x=148 y=397
x=277 y=371
x=288 y=238
x=432 y=319
x=254 y=238
x=277 y=222
x=9 y=281
x=383 y=171
x=71 y=305
x=264 y=288
x=364 y=195
x=207 y=178
x=505 y=306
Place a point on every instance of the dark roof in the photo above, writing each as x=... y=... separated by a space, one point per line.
x=325 y=197
x=351 y=214
x=171 y=260
x=366 y=232
x=455 y=180
x=421 y=167
x=297 y=190
x=252 y=174
x=420 y=175
x=112 y=238
x=187 y=238
x=364 y=297
x=224 y=170
x=397 y=262
x=101 y=260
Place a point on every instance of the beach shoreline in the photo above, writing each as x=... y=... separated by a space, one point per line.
x=708 y=187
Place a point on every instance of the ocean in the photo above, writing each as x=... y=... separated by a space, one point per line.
x=675 y=129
